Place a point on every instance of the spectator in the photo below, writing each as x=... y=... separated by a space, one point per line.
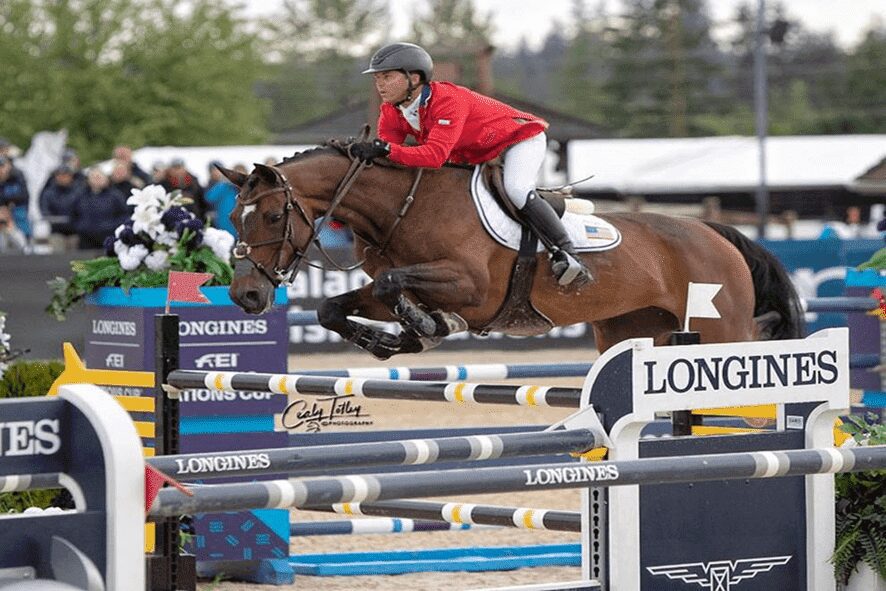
x=5 y=147
x=59 y=197
x=215 y=176
x=178 y=178
x=222 y=198
x=11 y=238
x=14 y=193
x=271 y=161
x=158 y=172
x=124 y=180
x=100 y=208
x=70 y=158
x=137 y=177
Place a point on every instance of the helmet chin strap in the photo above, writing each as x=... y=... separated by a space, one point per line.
x=409 y=90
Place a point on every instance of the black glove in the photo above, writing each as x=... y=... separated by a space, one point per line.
x=369 y=151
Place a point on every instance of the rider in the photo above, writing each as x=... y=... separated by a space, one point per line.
x=453 y=123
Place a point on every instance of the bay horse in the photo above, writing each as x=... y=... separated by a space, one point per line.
x=436 y=271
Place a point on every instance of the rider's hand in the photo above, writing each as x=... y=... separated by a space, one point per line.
x=369 y=151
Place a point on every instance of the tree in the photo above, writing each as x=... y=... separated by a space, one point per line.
x=450 y=25
x=585 y=65
x=135 y=71
x=322 y=47
x=866 y=85
x=664 y=70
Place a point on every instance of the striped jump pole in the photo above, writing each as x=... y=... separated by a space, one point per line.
x=323 y=459
x=824 y=304
x=348 y=489
x=326 y=458
x=460 y=373
x=376 y=525
x=23 y=482
x=463 y=514
x=839 y=304
x=382 y=389
x=500 y=371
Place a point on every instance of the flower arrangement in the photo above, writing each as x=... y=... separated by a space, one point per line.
x=5 y=351
x=160 y=236
x=861 y=507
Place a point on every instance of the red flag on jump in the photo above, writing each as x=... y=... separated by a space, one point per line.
x=154 y=481
x=185 y=287
x=881 y=303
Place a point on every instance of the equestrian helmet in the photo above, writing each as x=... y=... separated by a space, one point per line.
x=407 y=57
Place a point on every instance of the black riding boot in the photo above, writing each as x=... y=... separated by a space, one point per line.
x=543 y=220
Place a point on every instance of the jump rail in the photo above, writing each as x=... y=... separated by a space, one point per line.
x=346 y=489
x=824 y=304
x=463 y=513
x=384 y=389
x=375 y=525
x=501 y=371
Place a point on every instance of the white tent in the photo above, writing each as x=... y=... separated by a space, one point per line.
x=197 y=159
x=721 y=164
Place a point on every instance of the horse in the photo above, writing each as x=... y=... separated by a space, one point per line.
x=436 y=271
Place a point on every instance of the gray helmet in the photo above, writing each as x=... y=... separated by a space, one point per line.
x=402 y=56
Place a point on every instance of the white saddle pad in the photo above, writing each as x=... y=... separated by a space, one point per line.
x=588 y=232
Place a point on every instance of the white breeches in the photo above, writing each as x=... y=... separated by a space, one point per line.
x=521 y=165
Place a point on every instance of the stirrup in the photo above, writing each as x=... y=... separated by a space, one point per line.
x=568 y=269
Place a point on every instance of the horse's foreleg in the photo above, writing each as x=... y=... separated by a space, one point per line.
x=333 y=315
x=436 y=282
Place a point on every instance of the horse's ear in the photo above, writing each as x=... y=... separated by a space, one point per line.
x=238 y=178
x=266 y=173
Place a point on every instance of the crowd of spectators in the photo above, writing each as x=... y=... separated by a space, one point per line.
x=83 y=206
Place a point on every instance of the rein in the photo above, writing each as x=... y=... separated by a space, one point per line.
x=284 y=275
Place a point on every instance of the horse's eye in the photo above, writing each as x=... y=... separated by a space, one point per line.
x=275 y=217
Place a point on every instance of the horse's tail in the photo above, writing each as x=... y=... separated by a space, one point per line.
x=777 y=307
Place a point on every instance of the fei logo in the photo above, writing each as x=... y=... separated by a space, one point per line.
x=719 y=575
x=115 y=360
x=217 y=360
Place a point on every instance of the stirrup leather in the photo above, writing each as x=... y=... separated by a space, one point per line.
x=542 y=219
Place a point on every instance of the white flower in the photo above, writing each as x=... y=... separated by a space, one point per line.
x=133 y=257
x=120 y=248
x=166 y=238
x=220 y=241
x=157 y=260
x=4 y=338
x=4 y=343
x=147 y=220
x=151 y=196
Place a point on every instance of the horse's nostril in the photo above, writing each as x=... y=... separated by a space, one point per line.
x=252 y=298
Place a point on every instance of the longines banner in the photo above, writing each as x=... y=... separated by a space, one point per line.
x=313 y=285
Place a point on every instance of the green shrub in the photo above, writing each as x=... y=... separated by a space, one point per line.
x=24 y=379
x=861 y=509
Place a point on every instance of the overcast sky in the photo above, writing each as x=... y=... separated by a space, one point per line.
x=532 y=19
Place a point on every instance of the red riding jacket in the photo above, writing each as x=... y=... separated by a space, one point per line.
x=457 y=125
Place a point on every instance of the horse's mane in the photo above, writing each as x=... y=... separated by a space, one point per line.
x=336 y=146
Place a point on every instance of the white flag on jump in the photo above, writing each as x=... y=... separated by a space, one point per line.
x=700 y=302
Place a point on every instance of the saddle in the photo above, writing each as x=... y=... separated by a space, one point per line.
x=492 y=173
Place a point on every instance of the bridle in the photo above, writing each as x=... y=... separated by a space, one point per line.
x=283 y=274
